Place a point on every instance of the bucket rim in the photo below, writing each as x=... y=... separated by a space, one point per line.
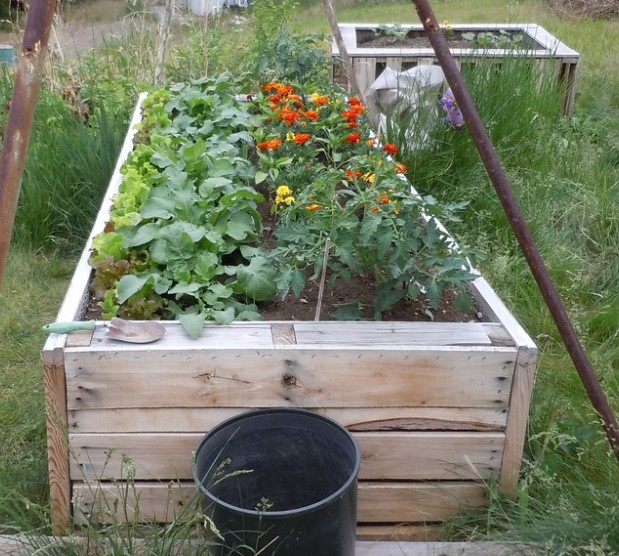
x=295 y=511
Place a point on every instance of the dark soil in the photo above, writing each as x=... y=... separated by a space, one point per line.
x=417 y=39
x=384 y=41
x=361 y=290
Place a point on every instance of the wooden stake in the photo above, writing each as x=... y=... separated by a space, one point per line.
x=164 y=35
x=348 y=69
x=21 y=116
x=323 y=276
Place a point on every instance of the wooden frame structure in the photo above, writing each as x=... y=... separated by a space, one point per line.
x=437 y=408
x=368 y=63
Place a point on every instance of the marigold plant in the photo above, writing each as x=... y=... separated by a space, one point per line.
x=351 y=202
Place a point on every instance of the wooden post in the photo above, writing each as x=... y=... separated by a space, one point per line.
x=21 y=116
x=164 y=35
x=57 y=441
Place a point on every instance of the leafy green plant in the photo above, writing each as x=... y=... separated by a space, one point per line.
x=391 y=30
x=339 y=197
x=298 y=59
x=183 y=239
x=496 y=39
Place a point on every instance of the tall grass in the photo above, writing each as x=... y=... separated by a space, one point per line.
x=565 y=174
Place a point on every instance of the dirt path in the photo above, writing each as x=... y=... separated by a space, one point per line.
x=76 y=40
x=79 y=40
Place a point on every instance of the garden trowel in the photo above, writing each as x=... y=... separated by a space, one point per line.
x=141 y=332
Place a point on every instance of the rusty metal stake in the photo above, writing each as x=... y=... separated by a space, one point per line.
x=21 y=116
x=521 y=230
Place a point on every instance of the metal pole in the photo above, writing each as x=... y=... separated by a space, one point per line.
x=21 y=116
x=521 y=230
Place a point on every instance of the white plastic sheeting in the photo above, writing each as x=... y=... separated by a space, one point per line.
x=407 y=97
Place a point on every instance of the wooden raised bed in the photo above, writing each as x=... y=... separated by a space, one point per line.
x=437 y=409
x=542 y=48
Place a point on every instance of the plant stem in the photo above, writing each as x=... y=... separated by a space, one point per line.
x=323 y=276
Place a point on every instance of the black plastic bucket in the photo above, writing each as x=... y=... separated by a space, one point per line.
x=280 y=482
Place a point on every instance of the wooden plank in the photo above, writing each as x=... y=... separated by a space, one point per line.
x=365 y=70
x=198 y=419
x=148 y=377
x=493 y=306
x=376 y=502
x=23 y=545
x=57 y=445
x=391 y=333
x=384 y=455
x=77 y=292
x=376 y=335
x=416 y=502
x=517 y=419
x=398 y=532
x=283 y=334
x=403 y=548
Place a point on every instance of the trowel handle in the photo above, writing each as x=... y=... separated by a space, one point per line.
x=65 y=327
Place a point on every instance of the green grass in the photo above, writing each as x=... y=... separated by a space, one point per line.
x=565 y=174
x=33 y=289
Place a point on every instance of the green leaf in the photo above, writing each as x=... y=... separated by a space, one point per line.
x=261 y=176
x=223 y=317
x=144 y=234
x=240 y=226
x=258 y=279
x=350 y=311
x=369 y=225
x=129 y=285
x=434 y=292
x=193 y=324
x=387 y=295
x=216 y=292
x=185 y=288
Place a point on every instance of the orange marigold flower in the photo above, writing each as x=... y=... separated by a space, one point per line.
x=320 y=99
x=374 y=209
x=298 y=101
x=353 y=173
x=314 y=207
x=270 y=86
x=285 y=90
x=311 y=115
x=354 y=101
x=385 y=200
x=302 y=138
x=371 y=142
x=289 y=116
x=391 y=149
x=353 y=138
x=271 y=145
x=400 y=168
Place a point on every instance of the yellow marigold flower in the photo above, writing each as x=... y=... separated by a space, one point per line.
x=319 y=99
x=369 y=177
x=283 y=191
x=290 y=136
x=289 y=200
